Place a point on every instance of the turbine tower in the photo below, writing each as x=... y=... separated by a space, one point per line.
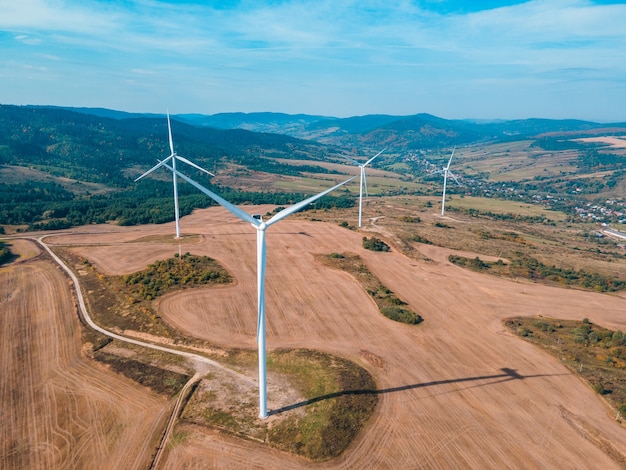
x=260 y=227
x=446 y=172
x=173 y=157
x=363 y=180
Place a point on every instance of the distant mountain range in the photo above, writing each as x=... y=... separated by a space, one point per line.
x=417 y=131
x=71 y=166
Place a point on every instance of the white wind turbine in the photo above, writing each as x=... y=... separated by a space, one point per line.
x=363 y=180
x=173 y=157
x=446 y=172
x=260 y=227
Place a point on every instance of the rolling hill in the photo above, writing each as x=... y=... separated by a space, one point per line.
x=68 y=166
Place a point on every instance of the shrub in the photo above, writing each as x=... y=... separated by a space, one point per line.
x=5 y=253
x=401 y=315
x=420 y=239
x=375 y=244
x=599 y=388
x=410 y=219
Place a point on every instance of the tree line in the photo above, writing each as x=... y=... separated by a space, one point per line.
x=50 y=207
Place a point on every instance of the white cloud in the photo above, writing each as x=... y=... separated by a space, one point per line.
x=372 y=51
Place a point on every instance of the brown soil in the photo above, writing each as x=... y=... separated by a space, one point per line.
x=60 y=409
x=457 y=391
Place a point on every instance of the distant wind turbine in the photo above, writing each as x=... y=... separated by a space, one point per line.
x=363 y=180
x=173 y=157
x=446 y=172
x=260 y=227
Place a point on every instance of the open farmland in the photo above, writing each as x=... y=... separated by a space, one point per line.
x=457 y=391
x=514 y=161
x=60 y=409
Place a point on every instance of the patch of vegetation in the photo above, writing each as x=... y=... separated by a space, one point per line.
x=177 y=437
x=5 y=253
x=506 y=236
x=597 y=354
x=159 y=380
x=338 y=397
x=341 y=395
x=537 y=219
x=418 y=238
x=375 y=244
x=530 y=268
x=388 y=303
x=475 y=264
x=401 y=315
x=167 y=275
x=409 y=219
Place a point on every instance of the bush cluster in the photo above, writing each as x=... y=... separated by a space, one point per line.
x=5 y=253
x=163 y=276
x=531 y=268
x=375 y=244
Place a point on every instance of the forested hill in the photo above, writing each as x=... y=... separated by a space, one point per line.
x=372 y=131
x=100 y=149
x=61 y=168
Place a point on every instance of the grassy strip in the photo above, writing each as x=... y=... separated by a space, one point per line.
x=598 y=355
x=530 y=268
x=389 y=305
x=160 y=380
x=337 y=397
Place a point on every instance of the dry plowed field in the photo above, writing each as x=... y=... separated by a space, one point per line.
x=59 y=409
x=457 y=391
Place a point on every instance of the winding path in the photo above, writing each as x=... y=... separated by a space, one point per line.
x=195 y=358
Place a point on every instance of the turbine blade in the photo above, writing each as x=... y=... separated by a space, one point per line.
x=450 y=161
x=221 y=201
x=375 y=156
x=161 y=163
x=350 y=160
x=455 y=178
x=169 y=131
x=296 y=207
x=190 y=163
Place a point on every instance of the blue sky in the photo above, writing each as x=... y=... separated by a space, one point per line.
x=455 y=59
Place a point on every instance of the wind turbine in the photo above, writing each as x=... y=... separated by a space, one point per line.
x=363 y=180
x=260 y=227
x=446 y=172
x=173 y=157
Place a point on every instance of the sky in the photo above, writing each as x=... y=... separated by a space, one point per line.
x=455 y=59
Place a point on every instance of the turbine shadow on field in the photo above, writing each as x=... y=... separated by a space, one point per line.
x=506 y=375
